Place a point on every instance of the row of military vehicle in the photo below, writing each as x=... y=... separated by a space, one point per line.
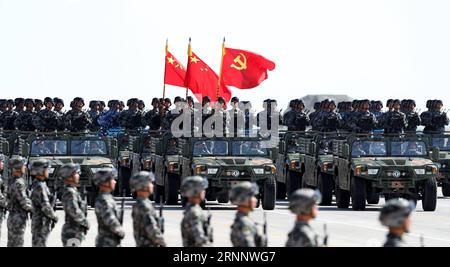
x=360 y=168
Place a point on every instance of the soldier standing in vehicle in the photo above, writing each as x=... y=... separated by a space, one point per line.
x=19 y=202
x=152 y=118
x=3 y=204
x=395 y=120
x=38 y=105
x=43 y=214
x=244 y=231
x=146 y=223
x=364 y=121
x=24 y=121
x=76 y=224
x=396 y=215
x=304 y=204
x=47 y=120
x=131 y=119
x=196 y=230
x=110 y=230
x=94 y=113
x=412 y=117
x=8 y=117
x=77 y=120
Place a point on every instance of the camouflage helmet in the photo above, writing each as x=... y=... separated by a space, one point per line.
x=242 y=192
x=38 y=167
x=104 y=175
x=140 y=180
x=395 y=211
x=29 y=101
x=302 y=201
x=67 y=170
x=19 y=101
x=16 y=162
x=192 y=186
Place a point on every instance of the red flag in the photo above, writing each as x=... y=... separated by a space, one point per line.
x=175 y=72
x=203 y=81
x=244 y=69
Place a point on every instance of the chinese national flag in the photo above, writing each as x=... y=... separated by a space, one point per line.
x=175 y=73
x=244 y=69
x=203 y=81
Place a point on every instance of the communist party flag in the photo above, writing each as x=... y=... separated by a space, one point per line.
x=244 y=69
x=175 y=72
x=203 y=81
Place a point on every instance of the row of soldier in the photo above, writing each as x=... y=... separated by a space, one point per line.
x=148 y=227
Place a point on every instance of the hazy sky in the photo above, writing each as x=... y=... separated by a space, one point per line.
x=102 y=49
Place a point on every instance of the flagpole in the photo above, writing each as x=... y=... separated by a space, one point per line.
x=221 y=67
x=187 y=66
x=165 y=65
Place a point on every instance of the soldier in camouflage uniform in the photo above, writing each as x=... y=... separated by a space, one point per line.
x=24 y=121
x=172 y=114
x=330 y=120
x=101 y=107
x=108 y=119
x=47 y=120
x=363 y=121
x=94 y=113
x=3 y=204
x=131 y=119
x=44 y=217
x=110 y=231
x=2 y=105
x=76 y=224
x=59 y=105
x=396 y=215
x=412 y=117
x=38 y=104
x=77 y=120
x=244 y=231
x=196 y=230
x=313 y=115
x=152 y=118
x=19 y=203
x=19 y=103
x=434 y=119
x=304 y=204
x=146 y=223
x=9 y=116
x=395 y=121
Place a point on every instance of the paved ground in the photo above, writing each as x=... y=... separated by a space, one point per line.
x=345 y=227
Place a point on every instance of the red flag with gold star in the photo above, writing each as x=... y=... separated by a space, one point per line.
x=203 y=81
x=175 y=72
x=243 y=69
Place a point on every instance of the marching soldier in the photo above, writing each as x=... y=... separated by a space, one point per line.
x=3 y=204
x=19 y=202
x=303 y=203
x=146 y=224
x=110 y=231
x=244 y=231
x=76 y=224
x=43 y=214
x=396 y=215
x=196 y=230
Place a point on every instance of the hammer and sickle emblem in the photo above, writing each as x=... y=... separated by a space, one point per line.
x=241 y=63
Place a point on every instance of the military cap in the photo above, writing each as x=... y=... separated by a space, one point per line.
x=59 y=101
x=102 y=103
x=67 y=170
x=302 y=201
x=141 y=102
x=18 y=101
x=192 y=186
x=396 y=101
x=93 y=103
x=10 y=102
x=38 y=167
x=29 y=101
x=78 y=99
x=38 y=101
x=48 y=100
x=140 y=180
x=389 y=102
x=104 y=175
x=395 y=211
x=242 y=192
x=155 y=100
x=16 y=162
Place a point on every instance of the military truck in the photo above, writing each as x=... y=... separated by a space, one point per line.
x=228 y=161
x=317 y=162
x=441 y=148
x=91 y=152
x=289 y=172
x=128 y=159
x=395 y=166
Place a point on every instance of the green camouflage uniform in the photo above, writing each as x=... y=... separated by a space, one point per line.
x=246 y=233
x=76 y=222
x=145 y=224
x=19 y=207
x=110 y=232
x=195 y=230
x=3 y=204
x=302 y=236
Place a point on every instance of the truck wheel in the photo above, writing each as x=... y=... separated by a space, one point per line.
x=124 y=181
x=342 y=196
x=446 y=189
x=171 y=186
x=429 y=196
x=223 y=198
x=325 y=184
x=269 y=193
x=293 y=182
x=281 y=191
x=358 y=192
x=373 y=198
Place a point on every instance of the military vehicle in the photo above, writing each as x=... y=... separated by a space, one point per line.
x=441 y=148
x=227 y=161
x=91 y=152
x=128 y=160
x=395 y=166
x=289 y=171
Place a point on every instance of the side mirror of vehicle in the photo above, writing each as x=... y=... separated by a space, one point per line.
x=345 y=150
x=435 y=154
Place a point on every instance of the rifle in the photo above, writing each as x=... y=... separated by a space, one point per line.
x=325 y=238
x=122 y=208
x=52 y=225
x=161 y=218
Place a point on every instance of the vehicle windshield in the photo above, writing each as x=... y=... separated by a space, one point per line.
x=442 y=143
x=88 y=147
x=49 y=147
x=369 y=149
x=210 y=148
x=249 y=148
x=408 y=148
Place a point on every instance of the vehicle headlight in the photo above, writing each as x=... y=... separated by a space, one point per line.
x=294 y=164
x=51 y=170
x=200 y=169
x=213 y=171
x=372 y=171
x=420 y=171
x=270 y=169
x=432 y=169
x=173 y=166
x=258 y=171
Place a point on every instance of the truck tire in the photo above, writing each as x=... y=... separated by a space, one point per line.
x=223 y=198
x=325 y=184
x=358 y=192
x=342 y=196
x=429 y=196
x=269 y=194
x=293 y=182
x=171 y=188
x=446 y=189
x=124 y=181
x=281 y=191
x=373 y=198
